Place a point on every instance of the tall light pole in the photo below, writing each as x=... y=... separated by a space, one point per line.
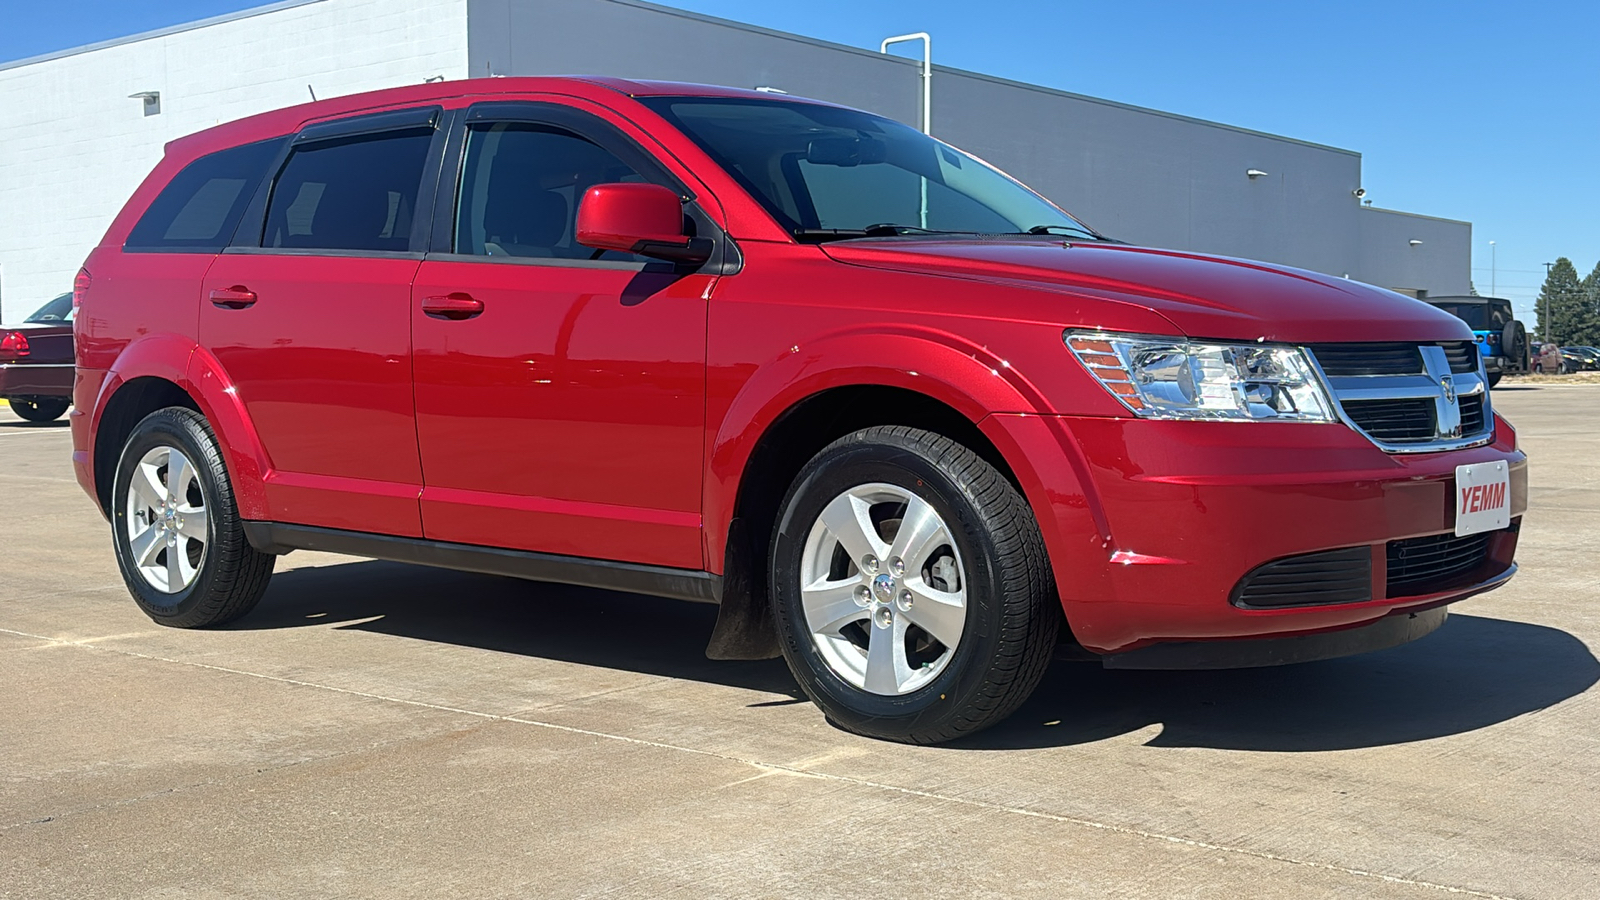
x=927 y=72
x=1493 y=270
x=1544 y=317
x=927 y=100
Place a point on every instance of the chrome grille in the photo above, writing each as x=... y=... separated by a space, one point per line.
x=1410 y=398
x=1369 y=359
x=1462 y=355
x=1392 y=358
x=1406 y=420
x=1472 y=414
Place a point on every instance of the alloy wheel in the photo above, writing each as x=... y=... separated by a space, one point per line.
x=168 y=524
x=883 y=589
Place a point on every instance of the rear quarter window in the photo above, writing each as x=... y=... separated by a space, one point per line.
x=199 y=209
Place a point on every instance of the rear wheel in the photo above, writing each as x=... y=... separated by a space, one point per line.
x=910 y=587
x=39 y=409
x=180 y=542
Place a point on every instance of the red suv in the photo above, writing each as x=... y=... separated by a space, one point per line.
x=899 y=415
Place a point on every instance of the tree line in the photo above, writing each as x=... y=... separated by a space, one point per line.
x=1572 y=305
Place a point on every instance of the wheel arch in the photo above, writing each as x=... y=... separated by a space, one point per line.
x=769 y=434
x=164 y=371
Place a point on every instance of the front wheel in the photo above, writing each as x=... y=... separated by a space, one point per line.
x=1494 y=378
x=910 y=587
x=39 y=409
x=180 y=542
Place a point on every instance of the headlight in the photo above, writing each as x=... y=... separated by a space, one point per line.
x=1174 y=378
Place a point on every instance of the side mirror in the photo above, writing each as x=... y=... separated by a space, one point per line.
x=638 y=218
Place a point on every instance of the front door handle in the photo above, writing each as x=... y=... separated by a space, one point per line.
x=455 y=306
x=236 y=297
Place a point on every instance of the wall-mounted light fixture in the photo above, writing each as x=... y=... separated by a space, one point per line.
x=152 y=101
x=1253 y=174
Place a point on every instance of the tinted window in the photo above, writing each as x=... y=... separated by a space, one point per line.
x=352 y=194
x=1474 y=314
x=57 y=310
x=520 y=189
x=199 y=209
x=817 y=167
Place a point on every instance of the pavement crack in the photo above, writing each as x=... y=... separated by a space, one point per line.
x=769 y=767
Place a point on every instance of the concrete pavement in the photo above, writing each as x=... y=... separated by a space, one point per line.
x=376 y=730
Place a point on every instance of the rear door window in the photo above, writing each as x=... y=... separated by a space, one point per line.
x=199 y=209
x=351 y=194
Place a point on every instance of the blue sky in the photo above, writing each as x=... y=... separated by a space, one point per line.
x=1488 y=112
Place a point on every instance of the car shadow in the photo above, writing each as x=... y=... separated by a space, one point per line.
x=61 y=423
x=587 y=626
x=1472 y=673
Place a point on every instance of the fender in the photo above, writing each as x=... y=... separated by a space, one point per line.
x=242 y=450
x=942 y=366
x=164 y=355
x=178 y=359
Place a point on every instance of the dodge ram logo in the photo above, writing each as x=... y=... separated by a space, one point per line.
x=1447 y=387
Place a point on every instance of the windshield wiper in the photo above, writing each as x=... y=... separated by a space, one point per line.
x=1068 y=230
x=882 y=229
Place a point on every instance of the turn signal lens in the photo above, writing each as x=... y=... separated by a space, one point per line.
x=1173 y=378
x=13 y=345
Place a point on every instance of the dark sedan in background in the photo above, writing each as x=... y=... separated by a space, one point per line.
x=36 y=362
x=1580 y=359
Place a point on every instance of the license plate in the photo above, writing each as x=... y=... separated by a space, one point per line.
x=1483 y=498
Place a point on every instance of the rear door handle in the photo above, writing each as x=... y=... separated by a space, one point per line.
x=236 y=297
x=454 y=306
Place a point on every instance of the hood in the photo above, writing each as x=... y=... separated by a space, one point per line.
x=1203 y=296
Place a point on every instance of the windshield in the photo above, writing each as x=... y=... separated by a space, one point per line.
x=57 y=310
x=825 y=172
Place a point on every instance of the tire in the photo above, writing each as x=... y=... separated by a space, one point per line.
x=989 y=556
x=1514 y=343
x=40 y=409
x=1494 y=378
x=215 y=576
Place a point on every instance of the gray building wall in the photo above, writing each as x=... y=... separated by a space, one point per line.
x=1140 y=175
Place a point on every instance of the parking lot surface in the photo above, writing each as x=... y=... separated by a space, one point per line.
x=377 y=730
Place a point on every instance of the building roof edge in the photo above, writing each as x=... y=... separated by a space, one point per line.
x=156 y=33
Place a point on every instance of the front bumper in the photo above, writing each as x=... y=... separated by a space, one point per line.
x=1153 y=524
x=35 y=379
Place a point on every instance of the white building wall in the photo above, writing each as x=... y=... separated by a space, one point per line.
x=75 y=146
